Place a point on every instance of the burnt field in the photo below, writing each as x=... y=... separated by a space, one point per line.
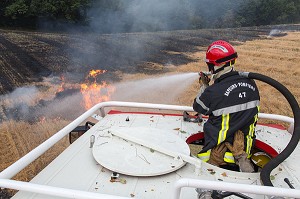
x=27 y=57
x=45 y=71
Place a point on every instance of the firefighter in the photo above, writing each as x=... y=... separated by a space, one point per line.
x=232 y=105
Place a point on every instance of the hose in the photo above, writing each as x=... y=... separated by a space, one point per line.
x=272 y=164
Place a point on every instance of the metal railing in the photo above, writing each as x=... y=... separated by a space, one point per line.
x=19 y=165
x=233 y=187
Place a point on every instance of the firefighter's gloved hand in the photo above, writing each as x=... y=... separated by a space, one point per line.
x=238 y=144
x=204 y=83
x=203 y=79
x=238 y=152
x=244 y=163
x=217 y=155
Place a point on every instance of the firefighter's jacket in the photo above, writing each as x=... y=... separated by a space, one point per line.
x=232 y=103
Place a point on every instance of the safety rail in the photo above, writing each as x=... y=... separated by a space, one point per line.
x=233 y=187
x=20 y=164
x=54 y=191
x=179 y=184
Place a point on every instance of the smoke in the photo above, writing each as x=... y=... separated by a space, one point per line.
x=113 y=16
x=165 y=89
x=67 y=107
x=277 y=33
x=31 y=104
x=128 y=52
x=20 y=99
x=131 y=52
x=25 y=94
x=141 y=15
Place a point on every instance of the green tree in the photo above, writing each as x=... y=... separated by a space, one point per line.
x=3 y=5
x=150 y=15
x=72 y=10
x=24 y=12
x=17 y=9
x=266 y=12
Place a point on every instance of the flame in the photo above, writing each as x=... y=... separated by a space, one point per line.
x=61 y=87
x=42 y=119
x=94 y=92
x=94 y=73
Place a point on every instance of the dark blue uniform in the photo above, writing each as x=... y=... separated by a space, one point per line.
x=232 y=104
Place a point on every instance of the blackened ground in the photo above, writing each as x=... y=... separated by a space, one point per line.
x=4 y=194
x=27 y=57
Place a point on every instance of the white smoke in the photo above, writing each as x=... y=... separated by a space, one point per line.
x=140 y=15
x=26 y=95
x=276 y=33
x=26 y=103
x=30 y=103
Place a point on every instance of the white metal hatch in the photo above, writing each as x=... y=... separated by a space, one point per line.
x=133 y=151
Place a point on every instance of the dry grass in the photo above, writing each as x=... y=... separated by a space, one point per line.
x=277 y=57
x=18 y=138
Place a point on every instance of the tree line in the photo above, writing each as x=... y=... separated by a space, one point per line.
x=109 y=16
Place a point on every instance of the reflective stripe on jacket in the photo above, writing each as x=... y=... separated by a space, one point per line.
x=228 y=157
x=232 y=104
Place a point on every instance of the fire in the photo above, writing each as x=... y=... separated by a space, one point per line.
x=42 y=119
x=94 y=92
x=62 y=85
x=94 y=73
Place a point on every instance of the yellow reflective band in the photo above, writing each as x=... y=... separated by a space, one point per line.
x=228 y=157
x=249 y=139
x=204 y=159
x=250 y=135
x=224 y=129
x=204 y=156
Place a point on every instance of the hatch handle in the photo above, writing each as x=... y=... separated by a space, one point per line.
x=289 y=183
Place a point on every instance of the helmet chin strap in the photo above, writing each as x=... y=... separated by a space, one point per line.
x=230 y=63
x=226 y=69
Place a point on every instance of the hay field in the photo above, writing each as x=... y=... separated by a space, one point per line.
x=277 y=57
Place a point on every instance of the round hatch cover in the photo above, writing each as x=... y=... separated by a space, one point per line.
x=139 y=151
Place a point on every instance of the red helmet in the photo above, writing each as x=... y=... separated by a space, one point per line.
x=220 y=52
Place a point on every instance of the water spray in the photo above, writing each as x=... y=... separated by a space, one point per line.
x=163 y=89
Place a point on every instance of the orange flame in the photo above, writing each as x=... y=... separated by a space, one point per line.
x=94 y=92
x=42 y=119
x=62 y=85
x=94 y=73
